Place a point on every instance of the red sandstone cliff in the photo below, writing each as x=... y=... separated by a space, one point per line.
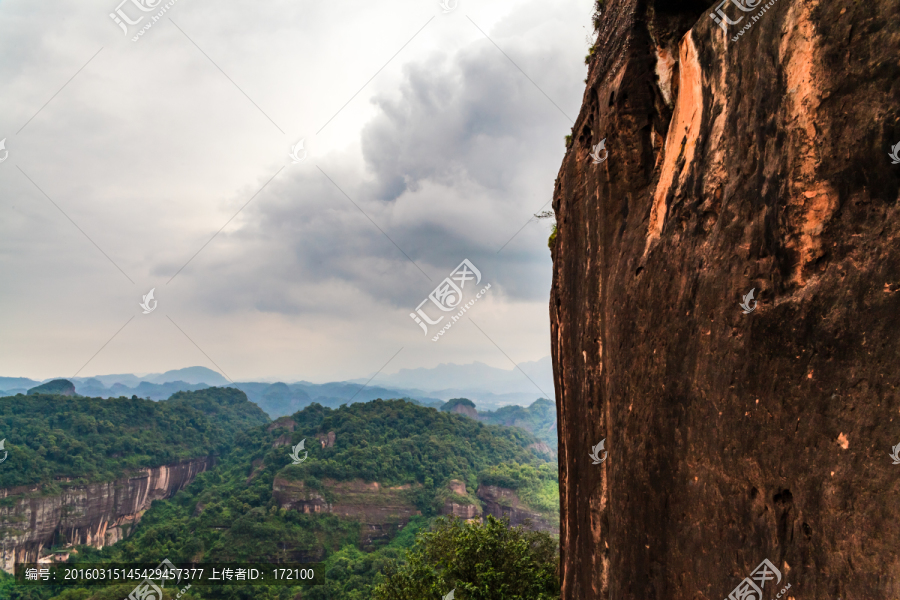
x=97 y=514
x=381 y=510
x=738 y=164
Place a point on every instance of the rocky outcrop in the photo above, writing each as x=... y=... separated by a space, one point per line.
x=504 y=503
x=460 y=406
x=282 y=440
x=542 y=448
x=96 y=514
x=382 y=511
x=282 y=423
x=459 y=504
x=736 y=162
x=461 y=510
x=326 y=439
x=295 y=495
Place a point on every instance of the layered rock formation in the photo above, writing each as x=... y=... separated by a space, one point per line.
x=97 y=514
x=381 y=510
x=460 y=504
x=499 y=502
x=504 y=503
x=736 y=162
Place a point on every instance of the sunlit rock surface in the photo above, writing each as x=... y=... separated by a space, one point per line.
x=761 y=164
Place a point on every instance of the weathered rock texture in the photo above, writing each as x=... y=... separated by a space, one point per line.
x=760 y=163
x=326 y=439
x=504 y=503
x=382 y=511
x=98 y=514
x=460 y=504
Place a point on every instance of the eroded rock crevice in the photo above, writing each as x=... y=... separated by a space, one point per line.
x=734 y=164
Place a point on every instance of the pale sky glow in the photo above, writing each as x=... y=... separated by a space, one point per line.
x=150 y=149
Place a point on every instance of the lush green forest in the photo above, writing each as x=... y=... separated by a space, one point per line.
x=539 y=419
x=91 y=439
x=396 y=442
x=478 y=561
x=231 y=513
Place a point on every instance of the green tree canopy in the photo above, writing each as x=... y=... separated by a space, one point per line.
x=481 y=562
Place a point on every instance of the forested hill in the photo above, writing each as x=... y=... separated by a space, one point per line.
x=538 y=419
x=51 y=437
x=366 y=462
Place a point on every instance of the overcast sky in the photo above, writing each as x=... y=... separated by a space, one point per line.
x=424 y=145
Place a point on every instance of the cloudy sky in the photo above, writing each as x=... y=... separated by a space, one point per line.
x=428 y=137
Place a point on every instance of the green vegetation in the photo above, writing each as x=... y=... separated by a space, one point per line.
x=537 y=488
x=349 y=572
x=396 y=442
x=453 y=403
x=57 y=386
x=552 y=239
x=481 y=562
x=598 y=10
x=91 y=439
x=234 y=513
x=10 y=591
x=539 y=419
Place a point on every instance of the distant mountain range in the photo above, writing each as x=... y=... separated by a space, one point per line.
x=488 y=387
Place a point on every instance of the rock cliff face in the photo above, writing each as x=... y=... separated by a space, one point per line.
x=460 y=504
x=502 y=503
x=98 y=514
x=736 y=162
x=497 y=502
x=382 y=511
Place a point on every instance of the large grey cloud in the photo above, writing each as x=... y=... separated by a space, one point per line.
x=150 y=150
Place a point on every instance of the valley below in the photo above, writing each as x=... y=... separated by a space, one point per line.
x=206 y=476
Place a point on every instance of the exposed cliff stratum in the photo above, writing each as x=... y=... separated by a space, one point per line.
x=97 y=514
x=745 y=156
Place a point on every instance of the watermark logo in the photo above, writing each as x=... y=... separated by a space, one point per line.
x=894 y=154
x=5 y=453
x=149 y=590
x=746 y=6
x=296 y=151
x=895 y=455
x=751 y=588
x=123 y=20
x=144 y=5
x=721 y=18
x=450 y=595
x=595 y=452
x=146 y=303
x=746 y=303
x=447 y=297
x=6 y=152
x=595 y=153
x=449 y=5
x=295 y=452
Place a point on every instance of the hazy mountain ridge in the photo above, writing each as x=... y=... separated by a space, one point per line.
x=487 y=386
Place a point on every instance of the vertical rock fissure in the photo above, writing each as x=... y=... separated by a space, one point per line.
x=737 y=162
